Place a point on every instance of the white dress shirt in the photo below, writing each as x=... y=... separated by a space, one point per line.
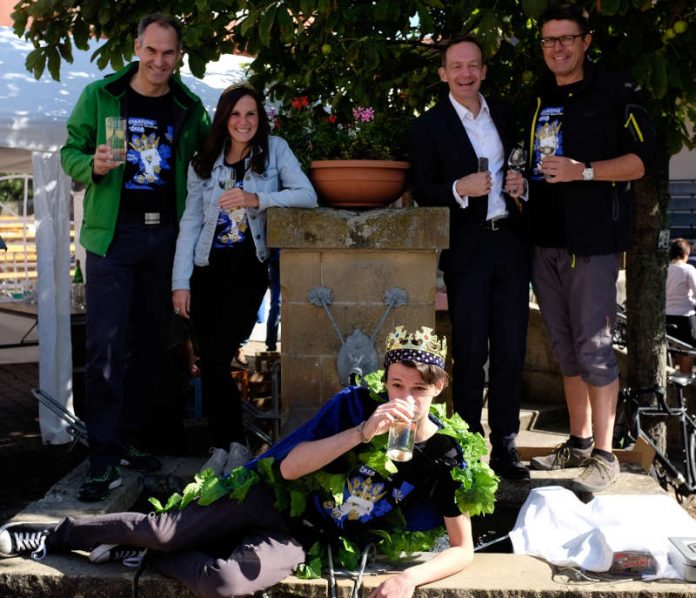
x=486 y=142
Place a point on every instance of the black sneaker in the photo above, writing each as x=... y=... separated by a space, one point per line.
x=507 y=465
x=140 y=460
x=130 y=556
x=99 y=482
x=19 y=538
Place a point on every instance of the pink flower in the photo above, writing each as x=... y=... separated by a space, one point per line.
x=363 y=115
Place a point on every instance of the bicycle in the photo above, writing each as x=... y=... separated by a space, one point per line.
x=680 y=472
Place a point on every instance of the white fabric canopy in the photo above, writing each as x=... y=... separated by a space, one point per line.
x=33 y=118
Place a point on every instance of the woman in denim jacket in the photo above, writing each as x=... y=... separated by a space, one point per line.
x=220 y=273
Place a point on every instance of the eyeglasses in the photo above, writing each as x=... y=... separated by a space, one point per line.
x=566 y=40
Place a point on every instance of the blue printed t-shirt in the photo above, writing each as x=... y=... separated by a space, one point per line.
x=148 y=182
x=232 y=228
x=548 y=132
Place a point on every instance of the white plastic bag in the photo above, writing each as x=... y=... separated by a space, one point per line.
x=553 y=524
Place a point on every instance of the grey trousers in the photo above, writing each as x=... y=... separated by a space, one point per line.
x=225 y=549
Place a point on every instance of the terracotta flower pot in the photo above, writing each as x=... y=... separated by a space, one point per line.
x=358 y=183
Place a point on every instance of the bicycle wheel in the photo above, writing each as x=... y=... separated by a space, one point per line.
x=691 y=458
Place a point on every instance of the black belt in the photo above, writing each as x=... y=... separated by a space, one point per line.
x=496 y=224
x=147 y=218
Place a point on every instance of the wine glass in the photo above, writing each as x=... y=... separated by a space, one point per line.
x=548 y=143
x=517 y=158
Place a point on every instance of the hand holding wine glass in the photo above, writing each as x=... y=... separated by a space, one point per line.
x=517 y=158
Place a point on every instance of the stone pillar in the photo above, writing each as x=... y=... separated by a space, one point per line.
x=358 y=256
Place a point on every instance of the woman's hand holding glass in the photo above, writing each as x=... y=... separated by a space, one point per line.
x=235 y=198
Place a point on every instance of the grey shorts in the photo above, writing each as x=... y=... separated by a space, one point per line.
x=577 y=298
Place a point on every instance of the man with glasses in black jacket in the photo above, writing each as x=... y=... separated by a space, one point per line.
x=589 y=139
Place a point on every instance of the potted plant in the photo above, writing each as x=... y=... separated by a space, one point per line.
x=356 y=160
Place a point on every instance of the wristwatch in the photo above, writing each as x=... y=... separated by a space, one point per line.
x=588 y=172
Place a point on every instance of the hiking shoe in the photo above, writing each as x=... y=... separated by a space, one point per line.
x=562 y=457
x=140 y=460
x=237 y=456
x=597 y=474
x=19 y=538
x=216 y=462
x=130 y=556
x=100 y=481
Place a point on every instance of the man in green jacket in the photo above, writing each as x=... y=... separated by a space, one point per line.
x=131 y=209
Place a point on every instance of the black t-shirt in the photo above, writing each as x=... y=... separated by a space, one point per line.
x=548 y=134
x=423 y=489
x=148 y=181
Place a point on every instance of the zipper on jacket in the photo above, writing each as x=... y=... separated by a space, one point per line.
x=615 y=202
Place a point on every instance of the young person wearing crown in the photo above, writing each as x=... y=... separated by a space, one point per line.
x=328 y=489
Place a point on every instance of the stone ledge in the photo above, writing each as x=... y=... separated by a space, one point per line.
x=327 y=228
x=490 y=575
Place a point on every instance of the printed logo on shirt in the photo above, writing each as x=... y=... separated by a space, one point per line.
x=548 y=137
x=150 y=151
x=366 y=496
x=232 y=225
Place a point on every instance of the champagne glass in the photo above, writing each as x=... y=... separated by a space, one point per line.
x=547 y=147
x=517 y=158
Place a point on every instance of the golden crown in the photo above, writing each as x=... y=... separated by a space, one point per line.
x=422 y=340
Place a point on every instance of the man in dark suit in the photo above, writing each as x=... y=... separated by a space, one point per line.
x=487 y=265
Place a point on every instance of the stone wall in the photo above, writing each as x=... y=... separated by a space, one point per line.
x=358 y=256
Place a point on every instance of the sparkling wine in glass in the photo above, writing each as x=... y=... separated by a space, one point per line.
x=517 y=158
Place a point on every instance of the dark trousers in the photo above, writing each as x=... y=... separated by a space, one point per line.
x=488 y=307
x=225 y=297
x=128 y=312
x=229 y=548
x=275 y=300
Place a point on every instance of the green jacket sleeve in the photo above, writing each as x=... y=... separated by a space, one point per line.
x=77 y=155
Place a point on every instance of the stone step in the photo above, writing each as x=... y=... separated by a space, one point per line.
x=67 y=576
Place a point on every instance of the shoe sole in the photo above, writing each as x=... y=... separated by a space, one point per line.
x=100 y=552
x=127 y=463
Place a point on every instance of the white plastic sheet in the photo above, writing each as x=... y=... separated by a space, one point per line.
x=556 y=526
x=52 y=210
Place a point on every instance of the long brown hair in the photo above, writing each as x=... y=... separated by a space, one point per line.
x=218 y=138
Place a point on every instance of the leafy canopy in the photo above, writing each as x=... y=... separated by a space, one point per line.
x=381 y=53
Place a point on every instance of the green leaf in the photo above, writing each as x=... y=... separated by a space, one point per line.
x=19 y=17
x=609 y=7
x=104 y=15
x=66 y=50
x=247 y=23
x=658 y=77
x=39 y=63
x=298 y=503
x=266 y=26
x=54 y=62
x=80 y=33
x=533 y=8
x=196 y=64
